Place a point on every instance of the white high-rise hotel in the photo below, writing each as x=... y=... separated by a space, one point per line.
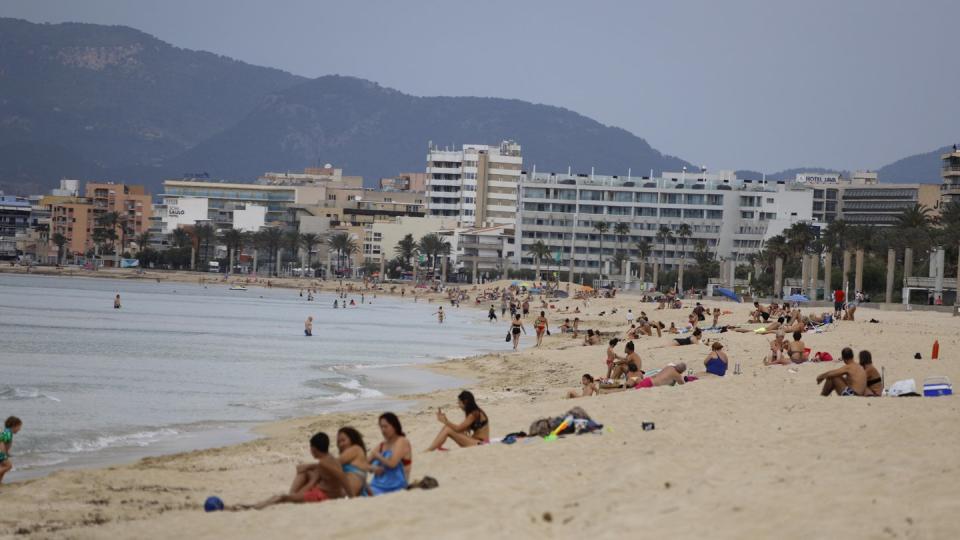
x=476 y=185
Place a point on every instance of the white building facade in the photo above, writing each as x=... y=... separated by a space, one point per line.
x=731 y=216
x=476 y=185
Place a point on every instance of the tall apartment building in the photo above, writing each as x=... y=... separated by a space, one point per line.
x=950 y=189
x=730 y=215
x=14 y=224
x=862 y=200
x=76 y=218
x=476 y=185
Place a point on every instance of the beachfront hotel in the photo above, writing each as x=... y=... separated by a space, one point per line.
x=476 y=185
x=862 y=200
x=732 y=216
x=950 y=171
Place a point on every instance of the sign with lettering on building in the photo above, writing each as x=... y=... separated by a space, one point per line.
x=818 y=178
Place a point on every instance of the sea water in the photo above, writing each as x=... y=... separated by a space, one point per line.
x=185 y=365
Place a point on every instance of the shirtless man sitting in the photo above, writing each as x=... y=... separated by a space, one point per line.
x=760 y=314
x=621 y=366
x=670 y=374
x=314 y=482
x=847 y=380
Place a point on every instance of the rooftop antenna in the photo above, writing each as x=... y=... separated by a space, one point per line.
x=569 y=170
x=628 y=174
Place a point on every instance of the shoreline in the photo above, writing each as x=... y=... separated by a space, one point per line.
x=731 y=449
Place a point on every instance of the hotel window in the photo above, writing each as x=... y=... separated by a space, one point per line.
x=715 y=200
x=746 y=215
x=646 y=197
x=714 y=214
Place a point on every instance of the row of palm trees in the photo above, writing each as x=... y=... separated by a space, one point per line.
x=540 y=252
x=431 y=245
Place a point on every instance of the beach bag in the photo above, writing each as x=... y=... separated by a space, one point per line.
x=507 y=338
x=823 y=357
x=902 y=388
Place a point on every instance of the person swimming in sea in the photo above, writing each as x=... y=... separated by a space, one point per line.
x=439 y=314
x=116 y=302
x=308 y=326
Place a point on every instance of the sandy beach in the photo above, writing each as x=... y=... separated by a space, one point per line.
x=744 y=456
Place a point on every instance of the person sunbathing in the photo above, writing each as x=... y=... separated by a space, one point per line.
x=588 y=387
x=796 y=350
x=778 y=354
x=622 y=365
x=673 y=329
x=691 y=340
x=353 y=459
x=847 y=380
x=670 y=374
x=715 y=364
x=612 y=356
x=633 y=332
x=314 y=482
x=770 y=328
x=874 y=380
x=473 y=431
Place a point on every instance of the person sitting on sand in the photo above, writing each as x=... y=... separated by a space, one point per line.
x=566 y=327
x=716 y=362
x=759 y=313
x=670 y=374
x=691 y=340
x=576 y=327
x=353 y=459
x=673 y=329
x=778 y=348
x=796 y=350
x=473 y=431
x=692 y=321
x=874 y=380
x=847 y=380
x=314 y=482
x=392 y=461
x=633 y=332
x=588 y=388
x=612 y=356
x=621 y=365
x=849 y=313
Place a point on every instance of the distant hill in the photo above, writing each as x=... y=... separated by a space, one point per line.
x=375 y=131
x=99 y=97
x=922 y=168
x=112 y=103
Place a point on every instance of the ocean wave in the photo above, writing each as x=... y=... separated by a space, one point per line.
x=14 y=393
x=140 y=438
x=362 y=391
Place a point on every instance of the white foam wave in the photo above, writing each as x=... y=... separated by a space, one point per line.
x=140 y=438
x=12 y=393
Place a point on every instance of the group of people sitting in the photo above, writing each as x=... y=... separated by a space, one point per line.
x=852 y=378
x=345 y=475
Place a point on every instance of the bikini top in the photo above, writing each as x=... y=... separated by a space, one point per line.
x=479 y=424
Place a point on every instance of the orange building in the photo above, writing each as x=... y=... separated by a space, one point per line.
x=77 y=218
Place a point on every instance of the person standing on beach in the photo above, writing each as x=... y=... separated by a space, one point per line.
x=839 y=297
x=10 y=428
x=516 y=326
x=308 y=326
x=116 y=302
x=439 y=314
x=542 y=326
x=492 y=314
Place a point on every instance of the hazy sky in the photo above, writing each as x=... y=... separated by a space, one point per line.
x=762 y=84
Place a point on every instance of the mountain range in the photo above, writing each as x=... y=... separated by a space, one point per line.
x=112 y=103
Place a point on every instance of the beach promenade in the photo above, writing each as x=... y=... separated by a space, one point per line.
x=755 y=455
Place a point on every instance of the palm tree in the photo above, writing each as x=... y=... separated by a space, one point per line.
x=143 y=241
x=601 y=227
x=539 y=251
x=915 y=217
x=684 y=232
x=292 y=241
x=271 y=238
x=343 y=244
x=433 y=246
x=406 y=249
x=663 y=235
x=180 y=238
x=60 y=241
x=799 y=237
x=108 y=227
x=204 y=235
x=309 y=241
x=621 y=229
x=234 y=239
x=100 y=238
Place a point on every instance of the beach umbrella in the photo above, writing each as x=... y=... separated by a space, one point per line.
x=729 y=294
x=796 y=298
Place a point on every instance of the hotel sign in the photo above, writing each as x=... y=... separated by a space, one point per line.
x=828 y=178
x=176 y=211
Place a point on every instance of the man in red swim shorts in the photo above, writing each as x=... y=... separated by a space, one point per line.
x=315 y=482
x=669 y=375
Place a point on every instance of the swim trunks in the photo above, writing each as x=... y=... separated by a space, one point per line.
x=315 y=494
x=848 y=392
x=647 y=382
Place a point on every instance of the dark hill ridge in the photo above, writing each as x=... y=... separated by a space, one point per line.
x=375 y=131
x=114 y=103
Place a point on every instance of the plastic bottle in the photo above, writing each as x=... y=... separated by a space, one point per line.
x=936 y=350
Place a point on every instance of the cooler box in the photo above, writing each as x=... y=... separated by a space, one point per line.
x=937 y=386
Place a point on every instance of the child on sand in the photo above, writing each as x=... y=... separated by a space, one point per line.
x=10 y=428
x=588 y=387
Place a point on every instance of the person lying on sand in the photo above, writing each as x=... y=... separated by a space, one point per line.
x=874 y=380
x=691 y=340
x=473 y=431
x=670 y=374
x=770 y=328
x=847 y=380
x=314 y=482
x=588 y=387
